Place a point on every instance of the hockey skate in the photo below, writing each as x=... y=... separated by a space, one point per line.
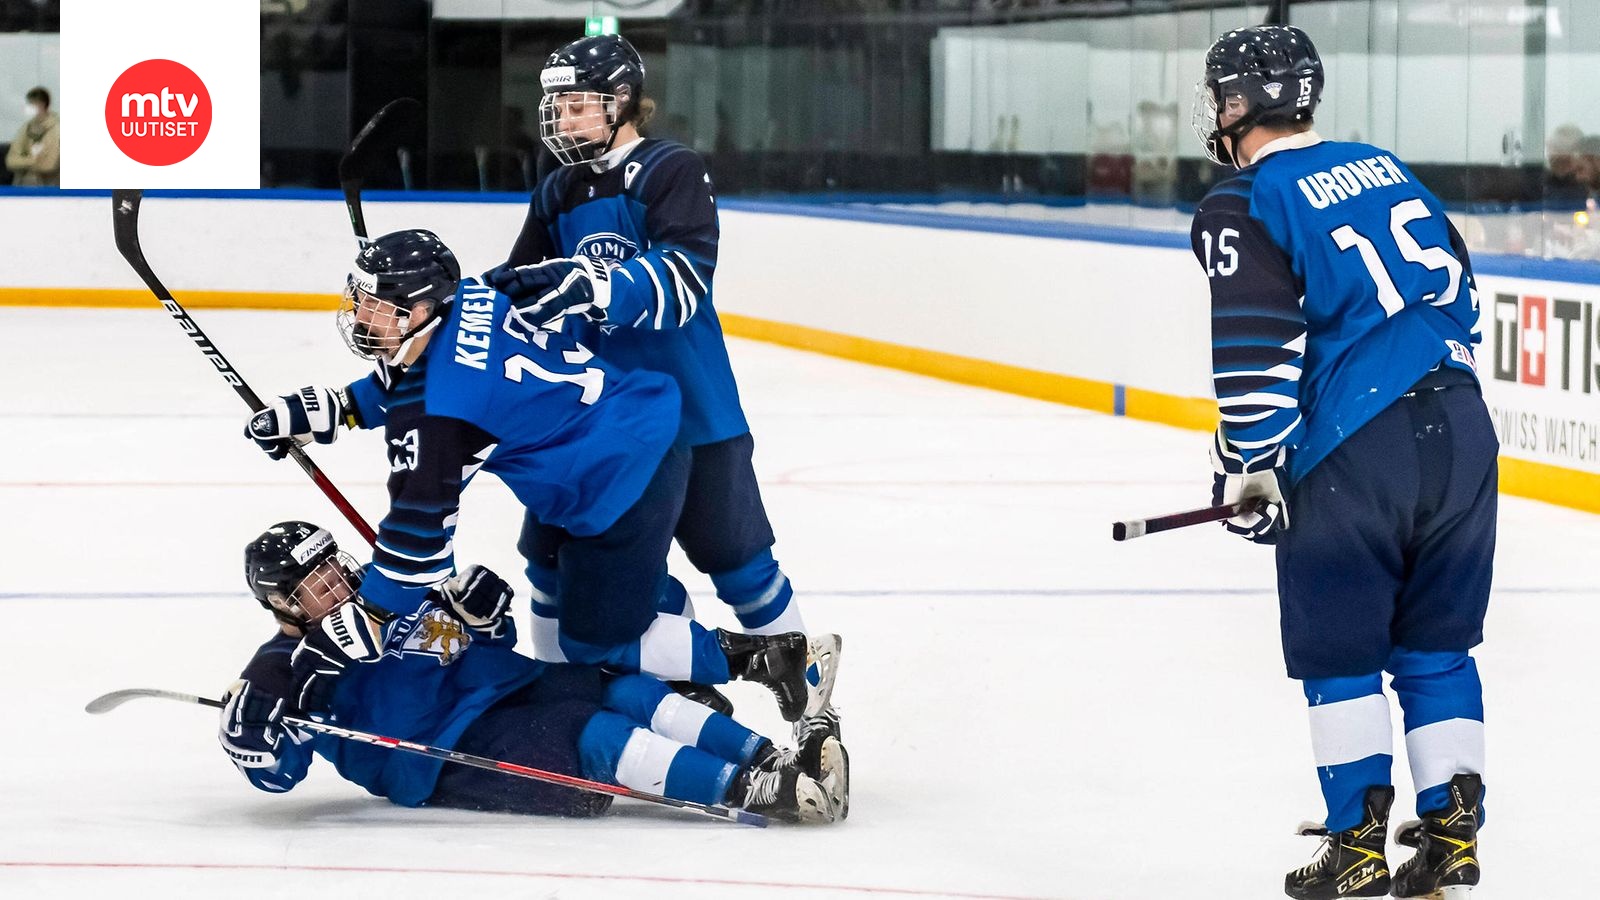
x=822 y=667
x=705 y=695
x=1349 y=863
x=777 y=661
x=776 y=787
x=1446 y=862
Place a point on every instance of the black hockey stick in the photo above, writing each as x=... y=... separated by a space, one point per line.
x=107 y=702
x=380 y=135
x=125 y=225
x=1129 y=529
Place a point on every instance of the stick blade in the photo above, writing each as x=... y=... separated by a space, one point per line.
x=107 y=702
x=382 y=133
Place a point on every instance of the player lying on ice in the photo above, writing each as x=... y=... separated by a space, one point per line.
x=446 y=674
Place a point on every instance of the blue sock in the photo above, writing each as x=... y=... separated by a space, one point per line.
x=758 y=591
x=613 y=750
x=648 y=702
x=1442 y=699
x=673 y=648
x=1351 y=741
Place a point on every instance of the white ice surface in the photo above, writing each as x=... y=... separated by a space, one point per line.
x=1031 y=710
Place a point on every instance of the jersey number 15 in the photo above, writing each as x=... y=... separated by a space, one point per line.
x=1433 y=258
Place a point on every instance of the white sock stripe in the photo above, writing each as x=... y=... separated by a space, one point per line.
x=1349 y=730
x=547 y=639
x=779 y=581
x=666 y=649
x=680 y=719
x=1442 y=749
x=645 y=760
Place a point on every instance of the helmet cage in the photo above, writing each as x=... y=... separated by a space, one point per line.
x=373 y=327
x=568 y=120
x=331 y=581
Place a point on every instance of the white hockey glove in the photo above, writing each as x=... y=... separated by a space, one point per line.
x=347 y=634
x=1262 y=478
x=310 y=414
x=478 y=597
x=544 y=292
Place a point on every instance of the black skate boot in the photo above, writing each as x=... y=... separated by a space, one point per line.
x=777 y=661
x=782 y=791
x=1350 y=863
x=823 y=757
x=705 y=695
x=1446 y=862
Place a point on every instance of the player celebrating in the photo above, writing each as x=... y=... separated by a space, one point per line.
x=1343 y=317
x=446 y=674
x=625 y=234
x=581 y=445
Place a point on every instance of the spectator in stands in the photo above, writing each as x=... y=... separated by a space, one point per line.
x=35 y=155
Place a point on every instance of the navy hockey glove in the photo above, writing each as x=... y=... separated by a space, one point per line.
x=546 y=291
x=252 y=729
x=479 y=598
x=1235 y=480
x=310 y=414
x=345 y=635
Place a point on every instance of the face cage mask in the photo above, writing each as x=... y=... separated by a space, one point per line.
x=560 y=131
x=331 y=582
x=381 y=334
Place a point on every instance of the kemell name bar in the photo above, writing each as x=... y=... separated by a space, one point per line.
x=159 y=115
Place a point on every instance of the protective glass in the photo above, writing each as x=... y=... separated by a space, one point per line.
x=577 y=125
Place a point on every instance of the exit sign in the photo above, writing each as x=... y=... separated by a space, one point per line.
x=594 y=25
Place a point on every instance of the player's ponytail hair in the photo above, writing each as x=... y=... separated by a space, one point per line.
x=644 y=113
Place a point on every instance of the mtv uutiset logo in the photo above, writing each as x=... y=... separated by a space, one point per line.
x=158 y=112
x=162 y=94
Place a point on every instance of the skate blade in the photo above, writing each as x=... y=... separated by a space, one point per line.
x=836 y=775
x=822 y=668
x=1452 y=892
x=813 y=804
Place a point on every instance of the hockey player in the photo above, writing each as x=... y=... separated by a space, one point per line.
x=622 y=239
x=446 y=674
x=581 y=445
x=1344 y=314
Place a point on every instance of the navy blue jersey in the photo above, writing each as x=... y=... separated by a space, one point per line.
x=652 y=216
x=434 y=679
x=575 y=439
x=1337 y=282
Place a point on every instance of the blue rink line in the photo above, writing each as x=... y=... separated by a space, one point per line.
x=908 y=593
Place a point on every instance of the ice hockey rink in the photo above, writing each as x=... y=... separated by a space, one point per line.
x=1031 y=709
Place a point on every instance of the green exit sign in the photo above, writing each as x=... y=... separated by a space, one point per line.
x=594 y=25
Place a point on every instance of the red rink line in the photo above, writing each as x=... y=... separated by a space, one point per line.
x=575 y=876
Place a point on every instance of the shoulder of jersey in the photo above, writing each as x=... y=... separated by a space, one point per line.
x=653 y=155
x=1232 y=194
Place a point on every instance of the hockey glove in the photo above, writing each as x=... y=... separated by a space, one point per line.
x=311 y=414
x=1236 y=480
x=345 y=635
x=479 y=598
x=544 y=292
x=251 y=730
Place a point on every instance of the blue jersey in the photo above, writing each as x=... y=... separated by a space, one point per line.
x=652 y=216
x=434 y=679
x=1337 y=282
x=575 y=439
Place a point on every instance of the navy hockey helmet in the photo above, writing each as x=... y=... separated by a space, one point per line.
x=393 y=274
x=296 y=571
x=1264 y=75
x=591 y=87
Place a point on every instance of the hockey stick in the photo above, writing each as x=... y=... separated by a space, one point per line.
x=381 y=133
x=107 y=702
x=1129 y=529
x=125 y=225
